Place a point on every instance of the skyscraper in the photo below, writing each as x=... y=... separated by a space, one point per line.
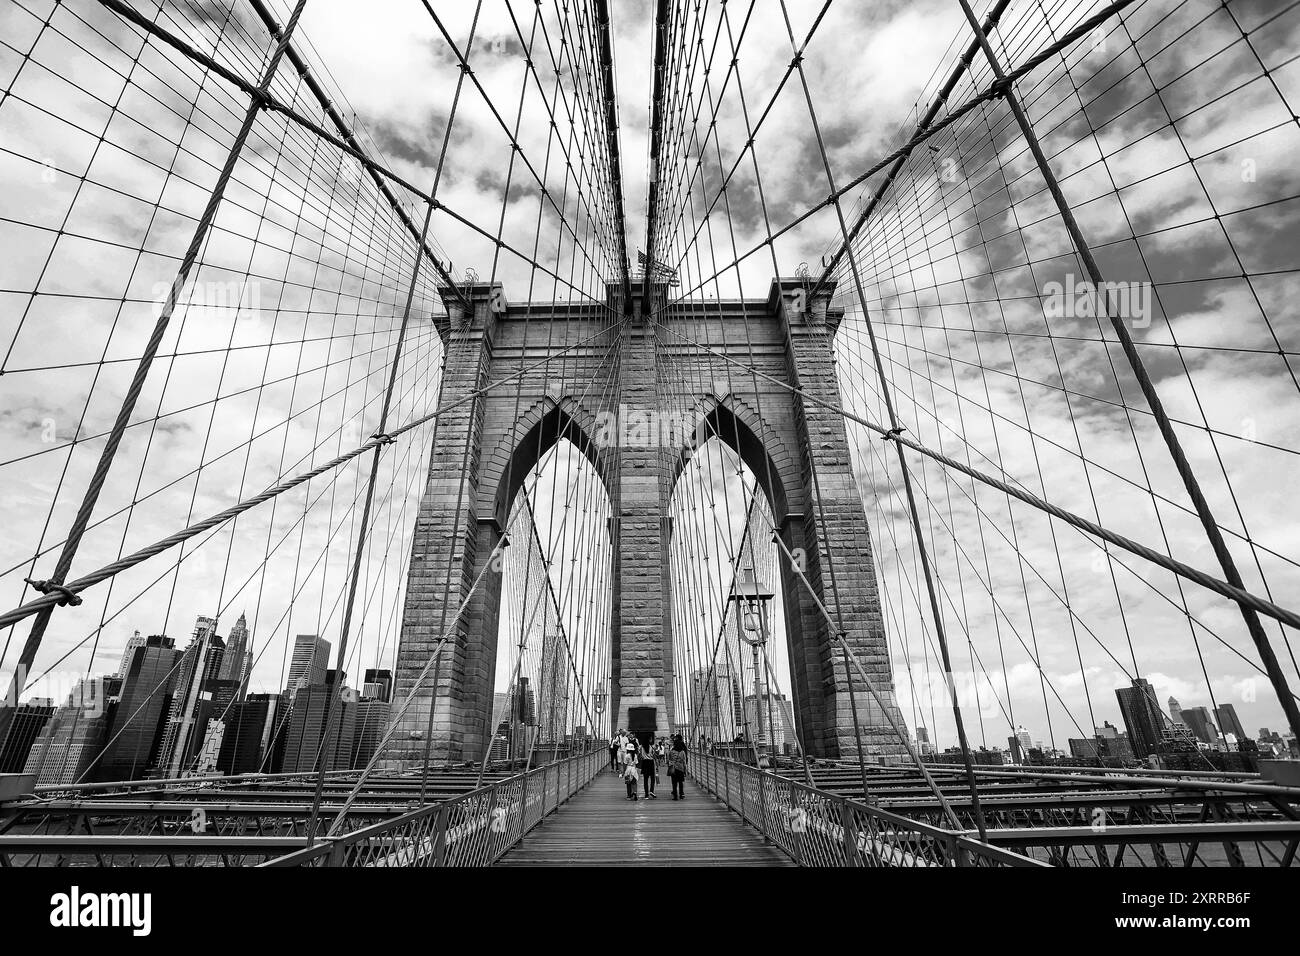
x=71 y=739
x=553 y=696
x=1198 y=718
x=1022 y=736
x=237 y=659
x=1142 y=716
x=132 y=642
x=370 y=722
x=244 y=734
x=774 y=712
x=28 y=722
x=305 y=734
x=1229 y=722
x=309 y=663
x=145 y=700
x=200 y=663
x=1175 y=710
x=715 y=696
x=378 y=684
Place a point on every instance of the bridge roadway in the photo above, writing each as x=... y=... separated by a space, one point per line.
x=601 y=827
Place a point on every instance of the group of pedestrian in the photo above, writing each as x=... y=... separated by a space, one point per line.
x=638 y=761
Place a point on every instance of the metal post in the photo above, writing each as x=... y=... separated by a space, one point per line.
x=849 y=830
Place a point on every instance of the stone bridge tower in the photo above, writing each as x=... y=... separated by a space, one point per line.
x=484 y=447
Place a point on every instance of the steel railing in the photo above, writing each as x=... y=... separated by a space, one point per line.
x=475 y=829
x=817 y=828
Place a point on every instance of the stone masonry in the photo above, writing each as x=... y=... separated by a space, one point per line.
x=484 y=447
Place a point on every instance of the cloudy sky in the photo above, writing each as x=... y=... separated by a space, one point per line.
x=108 y=148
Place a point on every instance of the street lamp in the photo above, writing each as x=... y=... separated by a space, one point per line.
x=751 y=597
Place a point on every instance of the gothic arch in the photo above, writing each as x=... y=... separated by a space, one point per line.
x=539 y=429
x=738 y=426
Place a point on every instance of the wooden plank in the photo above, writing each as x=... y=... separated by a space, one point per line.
x=601 y=827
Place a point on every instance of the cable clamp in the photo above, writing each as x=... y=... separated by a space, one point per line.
x=1001 y=87
x=893 y=433
x=383 y=438
x=66 y=597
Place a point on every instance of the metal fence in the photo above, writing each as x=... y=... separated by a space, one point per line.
x=816 y=828
x=475 y=829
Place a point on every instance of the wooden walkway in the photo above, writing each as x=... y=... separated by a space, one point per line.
x=601 y=827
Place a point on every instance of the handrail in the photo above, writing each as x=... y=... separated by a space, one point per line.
x=474 y=829
x=817 y=828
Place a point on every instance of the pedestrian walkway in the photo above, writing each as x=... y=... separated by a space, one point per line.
x=601 y=827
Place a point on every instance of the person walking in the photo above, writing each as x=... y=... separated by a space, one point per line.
x=677 y=767
x=613 y=752
x=629 y=762
x=646 y=764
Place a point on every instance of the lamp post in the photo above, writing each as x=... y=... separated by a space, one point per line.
x=751 y=597
x=598 y=702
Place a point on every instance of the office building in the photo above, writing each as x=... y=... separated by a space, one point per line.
x=309 y=663
x=1229 y=722
x=716 y=701
x=305 y=733
x=132 y=642
x=1142 y=716
x=369 y=724
x=553 y=688
x=249 y=729
x=69 y=744
x=200 y=663
x=237 y=660
x=770 y=719
x=28 y=721
x=1201 y=724
x=378 y=684
x=143 y=705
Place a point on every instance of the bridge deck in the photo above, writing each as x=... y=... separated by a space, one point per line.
x=601 y=827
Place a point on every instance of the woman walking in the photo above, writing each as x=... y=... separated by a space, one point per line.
x=646 y=764
x=677 y=767
x=629 y=768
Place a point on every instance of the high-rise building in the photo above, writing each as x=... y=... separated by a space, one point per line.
x=216 y=699
x=378 y=678
x=1229 y=722
x=553 y=689
x=132 y=642
x=305 y=734
x=1199 y=720
x=500 y=706
x=28 y=721
x=1107 y=731
x=237 y=660
x=369 y=724
x=523 y=705
x=71 y=740
x=145 y=701
x=774 y=713
x=1175 y=710
x=309 y=663
x=246 y=729
x=715 y=698
x=1142 y=716
x=200 y=663
x=1022 y=736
